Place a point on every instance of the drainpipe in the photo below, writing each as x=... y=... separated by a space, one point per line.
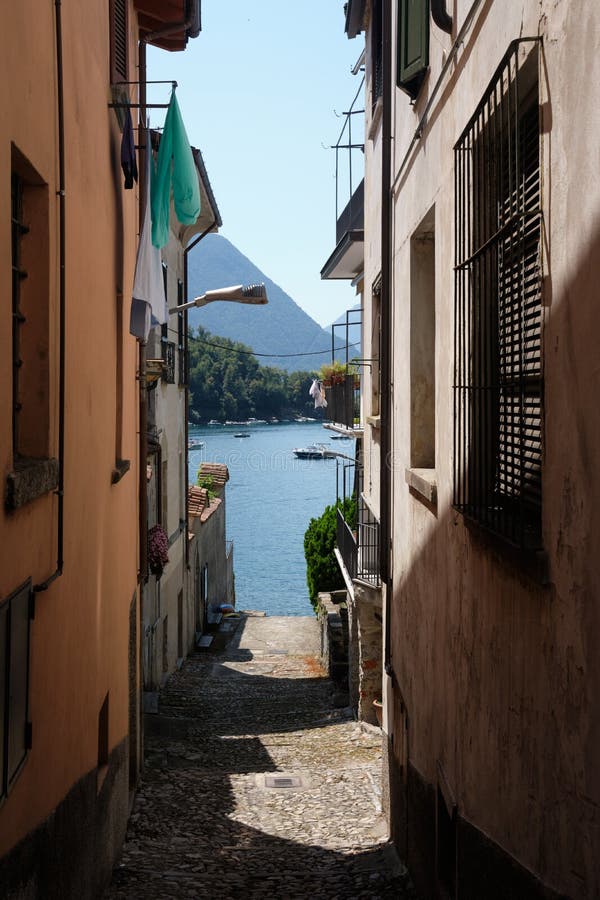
x=386 y=331
x=187 y=387
x=44 y=585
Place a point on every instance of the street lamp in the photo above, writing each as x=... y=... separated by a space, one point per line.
x=239 y=293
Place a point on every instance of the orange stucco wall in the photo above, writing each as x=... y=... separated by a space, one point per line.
x=79 y=638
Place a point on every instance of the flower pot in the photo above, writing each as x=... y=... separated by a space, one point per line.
x=378 y=707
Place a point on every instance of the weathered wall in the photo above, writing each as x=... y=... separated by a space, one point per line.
x=210 y=537
x=79 y=638
x=500 y=676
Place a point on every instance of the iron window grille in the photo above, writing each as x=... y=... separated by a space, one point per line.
x=168 y=355
x=181 y=354
x=377 y=53
x=498 y=373
x=19 y=229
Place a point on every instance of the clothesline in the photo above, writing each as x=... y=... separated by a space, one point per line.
x=271 y=355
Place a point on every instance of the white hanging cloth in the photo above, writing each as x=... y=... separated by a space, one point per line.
x=149 y=304
x=318 y=394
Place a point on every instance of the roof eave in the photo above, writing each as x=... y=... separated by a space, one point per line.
x=355 y=14
x=168 y=24
x=347 y=260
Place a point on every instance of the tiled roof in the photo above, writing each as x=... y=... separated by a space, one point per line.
x=217 y=471
x=199 y=504
x=197 y=500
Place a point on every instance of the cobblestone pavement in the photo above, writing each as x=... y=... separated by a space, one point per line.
x=211 y=819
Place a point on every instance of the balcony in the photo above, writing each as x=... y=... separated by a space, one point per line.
x=343 y=402
x=359 y=550
x=346 y=261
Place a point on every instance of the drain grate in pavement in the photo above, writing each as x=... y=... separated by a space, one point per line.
x=283 y=781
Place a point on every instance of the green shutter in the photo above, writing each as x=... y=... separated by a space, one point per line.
x=413 y=44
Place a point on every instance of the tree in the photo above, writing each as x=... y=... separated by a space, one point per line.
x=322 y=570
x=227 y=382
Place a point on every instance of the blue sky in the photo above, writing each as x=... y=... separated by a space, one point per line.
x=259 y=90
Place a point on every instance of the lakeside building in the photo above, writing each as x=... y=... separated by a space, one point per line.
x=170 y=595
x=482 y=434
x=73 y=559
x=211 y=554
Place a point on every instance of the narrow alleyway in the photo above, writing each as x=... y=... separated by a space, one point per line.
x=255 y=786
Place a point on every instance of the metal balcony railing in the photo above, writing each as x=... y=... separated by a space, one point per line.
x=343 y=401
x=368 y=545
x=346 y=543
x=360 y=550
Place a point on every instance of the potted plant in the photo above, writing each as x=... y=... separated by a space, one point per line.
x=335 y=372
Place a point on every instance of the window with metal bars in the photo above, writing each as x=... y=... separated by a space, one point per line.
x=30 y=312
x=498 y=375
x=181 y=356
x=376 y=53
x=19 y=229
x=118 y=40
x=168 y=356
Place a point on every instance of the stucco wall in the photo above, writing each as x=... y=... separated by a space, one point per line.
x=211 y=548
x=501 y=676
x=79 y=649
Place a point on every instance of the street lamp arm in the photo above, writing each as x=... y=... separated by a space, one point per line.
x=238 y=293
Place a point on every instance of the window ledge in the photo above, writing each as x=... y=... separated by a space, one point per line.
x=374 y=421
x=423 y=482
x=533 y=564
x=375 y=118
x=30 y=479
x=121 y=468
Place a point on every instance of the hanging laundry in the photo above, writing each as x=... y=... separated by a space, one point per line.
x=318 y=394
x=148 y=305
x=128 y=159
x=176 y=172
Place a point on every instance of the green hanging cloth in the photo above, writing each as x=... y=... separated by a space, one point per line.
x=176 y=170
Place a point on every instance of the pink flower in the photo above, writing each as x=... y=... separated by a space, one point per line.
x=158 y=549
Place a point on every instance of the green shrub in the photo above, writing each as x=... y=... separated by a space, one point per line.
x=206 y=482
x=322 y=570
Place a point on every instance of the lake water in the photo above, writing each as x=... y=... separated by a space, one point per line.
x=271 y=497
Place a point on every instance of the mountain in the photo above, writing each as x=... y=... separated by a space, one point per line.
x=280 y=327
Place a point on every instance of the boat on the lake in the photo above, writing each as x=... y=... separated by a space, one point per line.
x=214 y=422
x=313 y=451
x=241 y=434
x=195 y=444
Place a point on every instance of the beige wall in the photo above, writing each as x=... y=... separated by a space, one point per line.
x=79 y=649
x=500 y=676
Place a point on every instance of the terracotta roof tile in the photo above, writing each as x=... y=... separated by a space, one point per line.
x=197 y=500
x=217 y=471
x=199 y=504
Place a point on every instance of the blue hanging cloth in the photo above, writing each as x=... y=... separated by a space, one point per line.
x=176 y=172
x=128 y=160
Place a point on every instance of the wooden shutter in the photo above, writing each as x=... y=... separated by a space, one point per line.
x=413 y=44
x=118 y=41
